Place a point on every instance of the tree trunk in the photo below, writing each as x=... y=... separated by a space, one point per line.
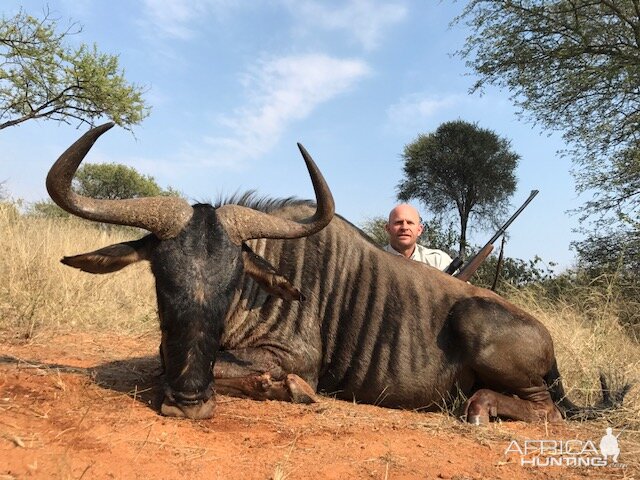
x=464 y=217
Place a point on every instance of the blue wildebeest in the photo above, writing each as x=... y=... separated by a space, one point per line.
x=364 y=325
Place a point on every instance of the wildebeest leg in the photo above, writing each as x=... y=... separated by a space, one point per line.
x=507 y=351
x=257 y=374
x=529 y=406
x=263 y=387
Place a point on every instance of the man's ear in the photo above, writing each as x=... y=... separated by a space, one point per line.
x=267 y=276
x=114 y=257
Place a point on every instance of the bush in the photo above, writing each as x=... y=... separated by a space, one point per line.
x=513 y=272
x=112 y=181
x=47 y=209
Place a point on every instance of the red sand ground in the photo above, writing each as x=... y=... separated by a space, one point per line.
x=83 y=406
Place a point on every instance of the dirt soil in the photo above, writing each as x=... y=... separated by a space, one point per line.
x=86 y=406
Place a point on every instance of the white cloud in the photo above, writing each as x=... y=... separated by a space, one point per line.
x=281 y=91
x=412 y=110
x=80 y=8
x=171 y=18
x=177 y=18
x=366 y=20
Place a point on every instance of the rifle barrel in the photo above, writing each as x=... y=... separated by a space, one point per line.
x=513 y=217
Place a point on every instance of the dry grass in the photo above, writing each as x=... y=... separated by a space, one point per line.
x=585 y=344
x=588 y=341
x=38 y=293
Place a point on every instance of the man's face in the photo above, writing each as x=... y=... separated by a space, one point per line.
x=404 y=227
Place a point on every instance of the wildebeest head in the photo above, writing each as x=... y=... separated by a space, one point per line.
x=197 y=256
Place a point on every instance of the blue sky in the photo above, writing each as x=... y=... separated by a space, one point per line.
x=235 y=84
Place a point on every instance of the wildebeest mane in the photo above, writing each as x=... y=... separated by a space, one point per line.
x=252 y=199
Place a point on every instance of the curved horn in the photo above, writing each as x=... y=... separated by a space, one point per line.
x=164 y=216
x=244 y=223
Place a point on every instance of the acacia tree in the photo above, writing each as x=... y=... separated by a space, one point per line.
x=460 y=168
x=113 y=181
x=573 y=66
x=41 y=76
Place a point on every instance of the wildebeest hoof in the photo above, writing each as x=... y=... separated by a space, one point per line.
x=264 y=382
x=301 y=391
x=478 y=419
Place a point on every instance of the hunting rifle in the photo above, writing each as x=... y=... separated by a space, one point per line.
x=469 y=268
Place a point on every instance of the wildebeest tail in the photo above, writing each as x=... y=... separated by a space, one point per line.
x=611 y=399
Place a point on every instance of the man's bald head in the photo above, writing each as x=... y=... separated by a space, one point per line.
x=404 y=228
x=404 y=210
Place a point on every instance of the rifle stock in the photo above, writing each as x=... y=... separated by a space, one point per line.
x=472 y=265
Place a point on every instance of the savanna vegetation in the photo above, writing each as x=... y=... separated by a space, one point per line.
x=572 y=67
x=591 y=321
x=40 y=297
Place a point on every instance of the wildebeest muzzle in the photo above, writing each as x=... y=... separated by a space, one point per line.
x=195 y=406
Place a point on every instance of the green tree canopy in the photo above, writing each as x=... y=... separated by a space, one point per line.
x=572 y=66
x=43 y=76
x=616 y=252
x=460 y=169
x=112 y=181
x=47 y=209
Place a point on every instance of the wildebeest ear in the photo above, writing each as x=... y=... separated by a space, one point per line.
x=114 y=257
x=267 y=276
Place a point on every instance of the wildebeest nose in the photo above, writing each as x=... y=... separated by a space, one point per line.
x=197 y=411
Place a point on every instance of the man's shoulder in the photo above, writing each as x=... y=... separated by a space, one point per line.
x=430 y=251
x=432 y=256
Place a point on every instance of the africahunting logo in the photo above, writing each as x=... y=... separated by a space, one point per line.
x=568 y=453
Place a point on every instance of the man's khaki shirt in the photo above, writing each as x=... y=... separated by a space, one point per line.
x=435 y=258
